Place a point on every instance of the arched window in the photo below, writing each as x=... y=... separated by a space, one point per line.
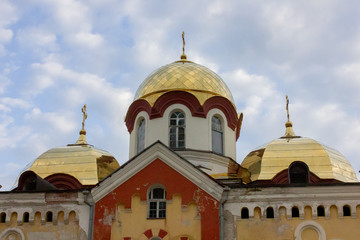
x=244 y=213
x=157 y=203
x=155 y=238
x=217 y=135
x=26 y=217
x=320 y=211
x=299 y=172
x=2 y=217
x=49 y=216
x=269 y=212
x=346 y=210
x=141 y=136
x=177 y=130
x=295 y=212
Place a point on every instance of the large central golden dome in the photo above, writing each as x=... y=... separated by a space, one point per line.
x=186 y=76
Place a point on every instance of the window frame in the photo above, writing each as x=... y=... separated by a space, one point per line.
x=160 y=212
x=215 y=132
x=177 y=128
x=143 y=129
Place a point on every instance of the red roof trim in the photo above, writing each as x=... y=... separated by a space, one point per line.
x=187 y=99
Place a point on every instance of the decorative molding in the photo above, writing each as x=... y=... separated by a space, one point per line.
x=12 y=231
x=187 y=99
x=310 y=224
x=64 y=181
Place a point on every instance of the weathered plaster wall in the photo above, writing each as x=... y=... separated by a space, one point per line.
x=246 y=210
x=64 y=228
x=181 y=221
x=37 y=216
x=285 y=227
x=179 y=192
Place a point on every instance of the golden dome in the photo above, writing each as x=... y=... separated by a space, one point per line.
x=84 y=162
x=186 y=76
x=270 y=159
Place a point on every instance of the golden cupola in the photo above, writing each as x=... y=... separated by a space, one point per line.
x=82 y=161
x=183 y=75
x=266 y=161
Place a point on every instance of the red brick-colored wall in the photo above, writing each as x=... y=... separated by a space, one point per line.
x=157 y=172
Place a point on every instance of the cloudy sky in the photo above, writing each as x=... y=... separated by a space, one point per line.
x=56 y=56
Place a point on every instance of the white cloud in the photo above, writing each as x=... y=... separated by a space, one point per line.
x=216 y=8
x=255 y=91
x=36 y=37
x=71 y=20
x=11 y=134
x=86 y=39
x=14 y=102
x=56 y=120
x=4 y=82
x=71 y=15
x=7 y=16
x=79 y=88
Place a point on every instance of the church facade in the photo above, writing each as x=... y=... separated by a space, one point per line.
x=182 y=180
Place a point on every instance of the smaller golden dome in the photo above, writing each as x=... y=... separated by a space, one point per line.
x=270 y=159
x=186 y=76
x=87 y=164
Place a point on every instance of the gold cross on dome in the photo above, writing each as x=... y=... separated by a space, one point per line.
x=183 y=56
x=287 y=108
x=83 y=110
x=183 y=38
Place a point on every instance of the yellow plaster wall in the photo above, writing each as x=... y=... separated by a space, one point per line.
x=180 y=221
x=346 y=228
x=61 y=230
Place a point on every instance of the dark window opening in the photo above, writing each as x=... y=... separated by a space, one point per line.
x=26 y=217
x=299 y=172
x=269 y=212
x=320 y=211
x=49 y=216
x=244 y=213
x=3 y=217
x=295 y=212
x=347 y=211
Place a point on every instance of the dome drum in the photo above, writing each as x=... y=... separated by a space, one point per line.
x=187 y=99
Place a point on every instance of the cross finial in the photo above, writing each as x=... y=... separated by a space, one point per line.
x=82 y=137
x=83 y=110
x=183 y=56
x=287 y=108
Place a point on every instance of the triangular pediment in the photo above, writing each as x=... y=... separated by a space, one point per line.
x=157 y=151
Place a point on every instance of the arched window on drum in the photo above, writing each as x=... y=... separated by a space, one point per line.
x=177 y=130
x=140 y=138
x=217 y=138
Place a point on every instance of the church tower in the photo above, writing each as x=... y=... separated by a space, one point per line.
x=190 y=109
